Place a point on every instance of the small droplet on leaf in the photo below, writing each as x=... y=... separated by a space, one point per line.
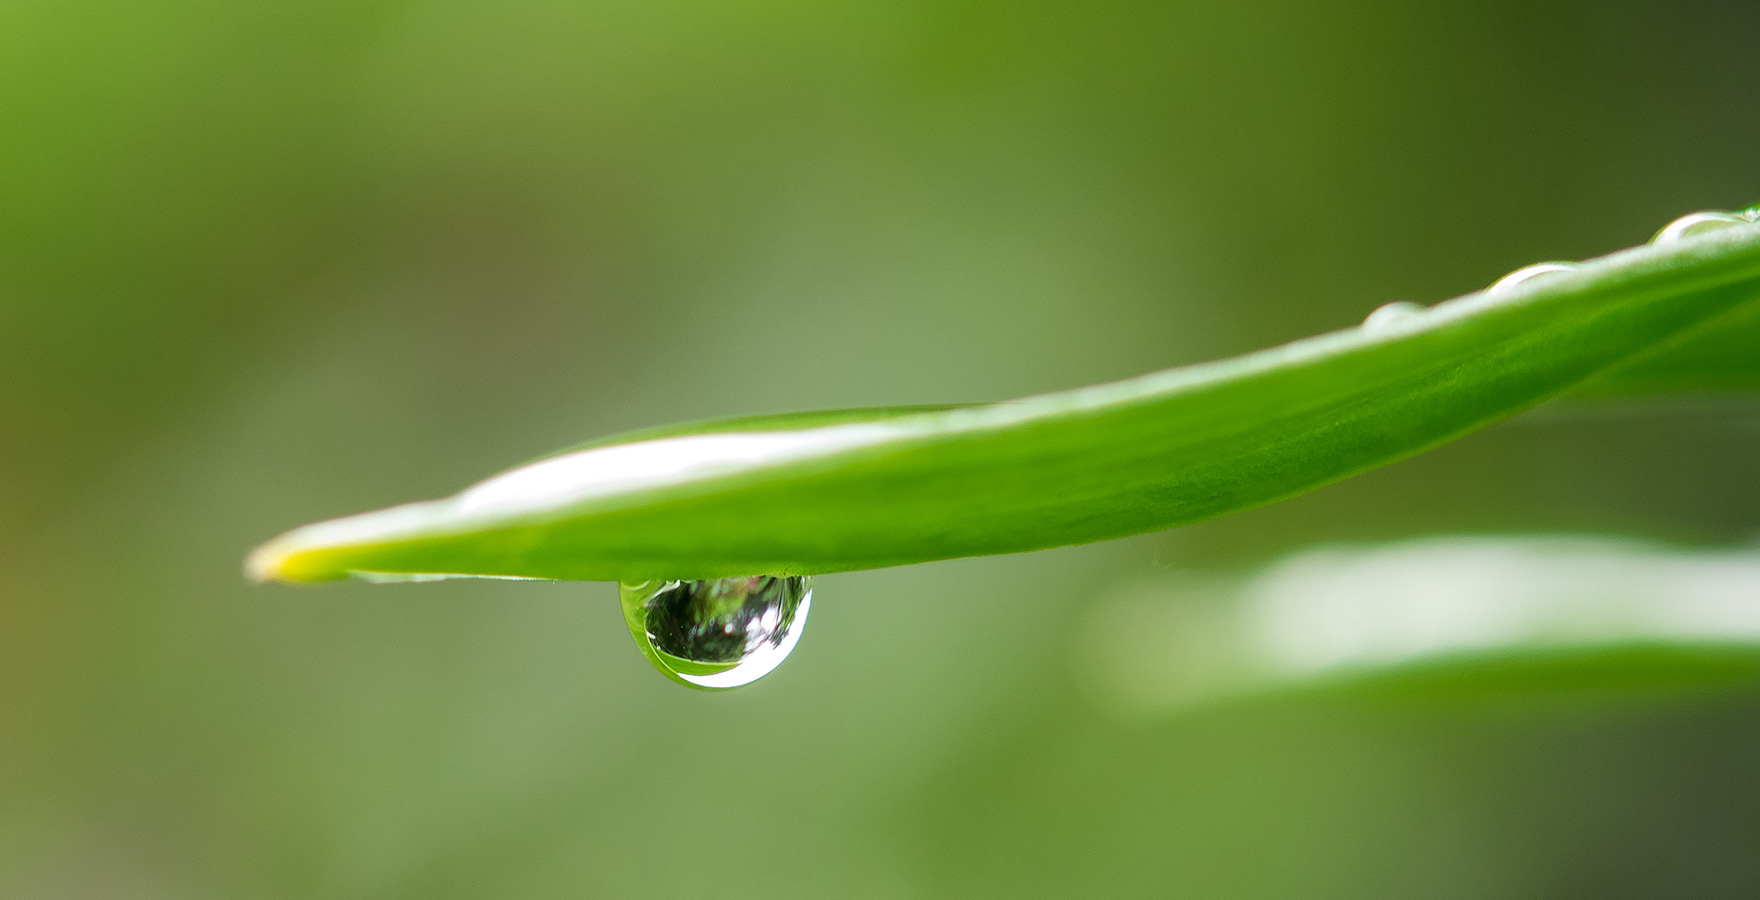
x=1528 y=273
x=1696 y=224
x=1390 y=313
x=719 y=633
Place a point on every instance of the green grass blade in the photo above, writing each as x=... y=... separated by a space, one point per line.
x=1455 y=616
x=824 y=492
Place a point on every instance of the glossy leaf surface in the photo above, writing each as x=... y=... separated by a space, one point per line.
x=851 y=489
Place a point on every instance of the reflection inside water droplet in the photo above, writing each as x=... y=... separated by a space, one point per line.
x=1390 y=313
x=1695 y=224
x=1529 y=273
x=720 y=633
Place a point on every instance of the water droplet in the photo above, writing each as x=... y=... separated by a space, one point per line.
x=1389 y=313
x=1752 y=213
x=721 y=633
x=1528 y=273
x=1695 y=224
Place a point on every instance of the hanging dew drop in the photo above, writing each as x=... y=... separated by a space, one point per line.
x=720 y=633
x=1528 y=273
x=1695 y=224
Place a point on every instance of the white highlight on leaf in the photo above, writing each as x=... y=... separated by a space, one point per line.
x=604 y=471
x=1335 y=611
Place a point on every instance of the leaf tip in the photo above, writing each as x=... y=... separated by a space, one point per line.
x=276 y=561
x=333 y=550
x=264 y=564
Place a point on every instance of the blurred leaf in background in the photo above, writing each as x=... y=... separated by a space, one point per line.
x=264 y=264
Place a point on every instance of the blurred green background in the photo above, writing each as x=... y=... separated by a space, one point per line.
x=263 y=263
